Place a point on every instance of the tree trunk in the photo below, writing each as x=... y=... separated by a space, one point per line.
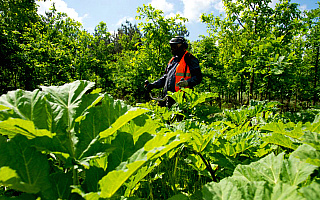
x=241 y=82
x=316 y=66
x=251 y=86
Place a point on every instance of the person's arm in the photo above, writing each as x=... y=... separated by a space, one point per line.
x=160 y=83
x=196 y=74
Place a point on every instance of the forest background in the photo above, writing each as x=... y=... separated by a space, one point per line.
x=64 y=133
x=253 y=52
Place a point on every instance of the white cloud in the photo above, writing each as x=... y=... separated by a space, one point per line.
x=303 y=7
x=162 y=5
x=194 y=8
x=273 y=3
x=173 y=14
x=219 y=6
x=61 y=6
x=124 y=19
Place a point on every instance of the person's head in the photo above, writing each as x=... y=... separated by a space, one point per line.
x=178 y=45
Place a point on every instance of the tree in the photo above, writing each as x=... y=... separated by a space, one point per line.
x=147 y=54
x=250 y=37
x=127 y=37
x=16 y=19
x=207 y=52
x=313 y=46
x=157 y=31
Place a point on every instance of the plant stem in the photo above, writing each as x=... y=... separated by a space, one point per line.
x=75 y=176
x=150 y=191
x=208 y=166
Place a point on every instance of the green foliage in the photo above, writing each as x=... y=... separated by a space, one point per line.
x=272 y=177
x=260 y=50
x=76 y=131
x=72 y=141
x=150 y=55
x=253 y=52
x=192 y=104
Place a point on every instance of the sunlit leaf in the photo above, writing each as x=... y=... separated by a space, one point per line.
x=114 y=179
x=68 y=102
x=12 y=127
x=121 y=121
x=311 y=191
x=26 y=105
x=223 y=190
x=266 y=169
x=307 y=154
x=296 y=171
x=280 y=140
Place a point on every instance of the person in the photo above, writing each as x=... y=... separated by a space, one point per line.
x=183 y=70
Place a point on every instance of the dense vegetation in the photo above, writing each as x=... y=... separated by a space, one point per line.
x=253 y=52
x=65 y=142
x=65 y=135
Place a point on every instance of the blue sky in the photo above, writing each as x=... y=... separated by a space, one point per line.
x=114 y=12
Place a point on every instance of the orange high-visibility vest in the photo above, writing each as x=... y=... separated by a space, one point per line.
x=182 y=71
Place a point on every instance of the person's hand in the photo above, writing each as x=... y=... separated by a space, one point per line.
x=148 y=86
x=182 y=83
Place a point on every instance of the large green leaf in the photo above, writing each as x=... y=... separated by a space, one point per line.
x=253 y=190
x=25 y=105
x=307 y=154
x=96 y=123
x=96 y=120
x=257 y=182
x=114 y=179
x=275 y=169
x=233 y=188
x=223 y=190
x=290 y=129
x=31 y=167
x=124 y=148
x=283 y=134
x=280 y=140
x=55 y=110
x=12 y=127
x=77 y=119
x=91 y=182
x=296 y=171
x=152 y=150
x=266 y=169
x=311 y=191
x=283 y=191
x=312 y=138
x=122 y=120
x=68 y=102
x=61 y=184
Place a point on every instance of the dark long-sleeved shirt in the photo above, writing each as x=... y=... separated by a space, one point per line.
x=167 y=81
